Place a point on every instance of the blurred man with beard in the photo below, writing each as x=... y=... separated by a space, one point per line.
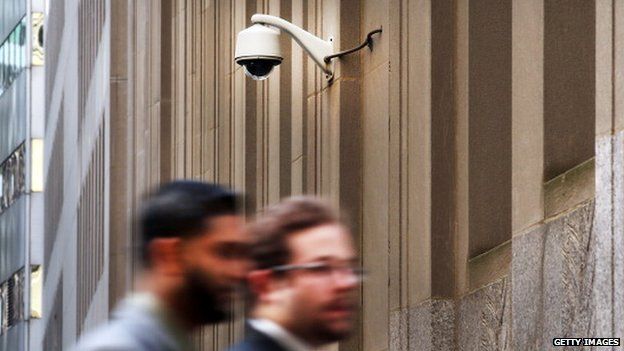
x=303 y=287
x=195 y=255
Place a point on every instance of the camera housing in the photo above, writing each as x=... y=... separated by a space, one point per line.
x=258 y=50
x=258 y=47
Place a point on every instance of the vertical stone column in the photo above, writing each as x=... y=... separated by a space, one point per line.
x=482 y=312
x=527 y=172
x=527 y=114
x=120 y=243
x=601 y=254
x=422 y=165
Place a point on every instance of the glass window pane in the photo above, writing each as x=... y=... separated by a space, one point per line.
x=5 y=60
x=2 y=65
x=23 y=43
x=11 y=48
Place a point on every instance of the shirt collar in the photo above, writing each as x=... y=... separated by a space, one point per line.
x=282 y=336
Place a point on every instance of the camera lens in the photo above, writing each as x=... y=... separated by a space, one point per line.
x=259 y=69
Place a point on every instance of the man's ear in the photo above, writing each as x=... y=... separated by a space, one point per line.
x=165 y=255
x=259 y=282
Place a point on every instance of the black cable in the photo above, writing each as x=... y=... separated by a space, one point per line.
x=368 y=42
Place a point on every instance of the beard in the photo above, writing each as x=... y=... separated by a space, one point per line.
x=318 y=334
x=201 y=297
x=320 y=331
x=328 y=335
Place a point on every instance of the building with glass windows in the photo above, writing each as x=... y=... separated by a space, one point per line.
x=21 y=167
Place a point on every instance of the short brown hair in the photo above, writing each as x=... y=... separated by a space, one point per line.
x=272 y=228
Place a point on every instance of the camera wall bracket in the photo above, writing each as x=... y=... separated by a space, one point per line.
x=321 y=51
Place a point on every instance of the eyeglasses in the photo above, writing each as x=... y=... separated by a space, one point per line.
x=323 y=269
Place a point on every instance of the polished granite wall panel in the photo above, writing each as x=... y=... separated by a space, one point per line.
x=561 y=286
x=484 y=318
x=618 y=234
x=567 y=275
x=428 y=326
x=527 y=296
x=399 y=330
x=601 y=244
x=553 y=274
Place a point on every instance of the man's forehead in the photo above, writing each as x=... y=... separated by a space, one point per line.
x=322 y=242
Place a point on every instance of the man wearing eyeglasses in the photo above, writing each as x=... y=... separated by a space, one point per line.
x=303 y=286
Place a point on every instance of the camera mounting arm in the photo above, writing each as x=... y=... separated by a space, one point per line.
x=321 y=51
x=316 y=47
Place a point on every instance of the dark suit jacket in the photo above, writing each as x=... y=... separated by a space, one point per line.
x=257 y=341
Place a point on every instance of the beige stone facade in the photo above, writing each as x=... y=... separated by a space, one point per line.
x=477 y=148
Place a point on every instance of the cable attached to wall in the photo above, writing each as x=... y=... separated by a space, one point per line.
x=368 y=42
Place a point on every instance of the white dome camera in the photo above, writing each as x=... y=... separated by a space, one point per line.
x=258 y=47
x=258 y=50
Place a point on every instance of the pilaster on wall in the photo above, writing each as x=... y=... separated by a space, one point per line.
x=379 y=141
x=120 y=152
x=489 y=124
x=608 y=304
x=569 y=99
x=527 y=114
x=418 y=212
x=298 y=111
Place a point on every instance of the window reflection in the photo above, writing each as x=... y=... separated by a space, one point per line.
x=12 y=55
x=13 y=177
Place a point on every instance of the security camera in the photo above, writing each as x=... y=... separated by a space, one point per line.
x=258 y=50
x=258 y=47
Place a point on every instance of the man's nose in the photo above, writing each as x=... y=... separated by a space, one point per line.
x=347 y=280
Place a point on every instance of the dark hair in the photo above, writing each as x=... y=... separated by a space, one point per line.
x=183 y=208
x=272 y=229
